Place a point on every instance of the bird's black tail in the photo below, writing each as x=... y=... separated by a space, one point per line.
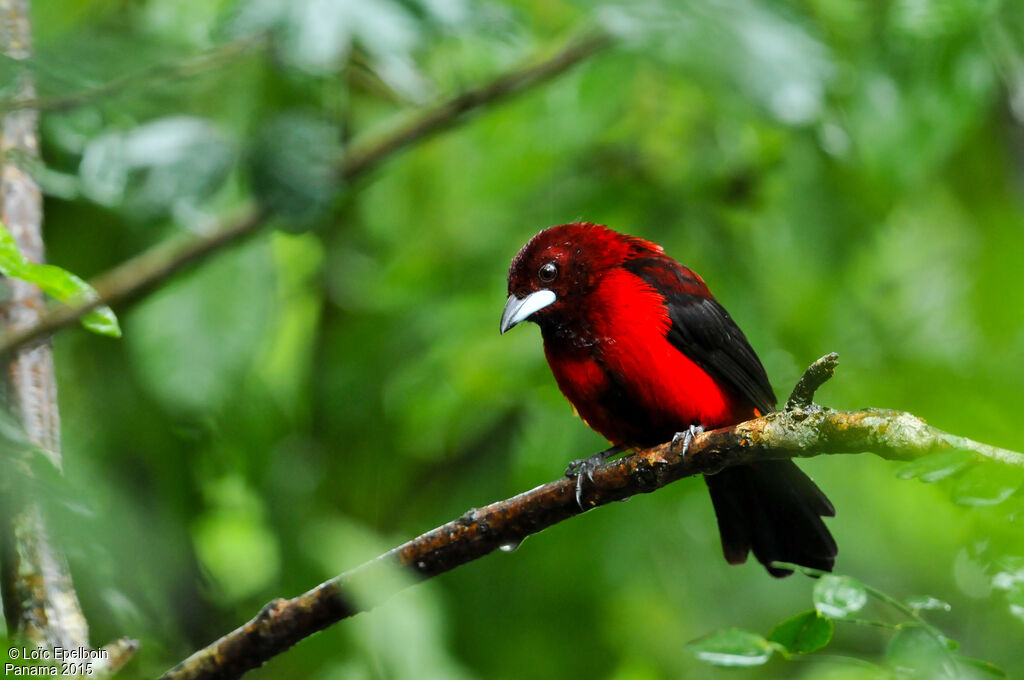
x=773 y=509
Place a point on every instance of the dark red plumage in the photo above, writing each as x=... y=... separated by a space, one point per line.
x=643 y=351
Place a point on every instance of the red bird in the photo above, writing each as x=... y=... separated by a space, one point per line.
x=643 y=351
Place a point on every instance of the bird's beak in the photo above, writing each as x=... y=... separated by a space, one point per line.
x=517 y=309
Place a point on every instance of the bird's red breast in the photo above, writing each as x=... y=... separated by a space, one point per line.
x=607 y=335
x=631 y=384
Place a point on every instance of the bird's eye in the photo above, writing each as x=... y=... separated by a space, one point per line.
x=547 y=272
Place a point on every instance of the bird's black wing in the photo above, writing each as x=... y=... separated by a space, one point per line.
x=769 y=507
x=703 y=331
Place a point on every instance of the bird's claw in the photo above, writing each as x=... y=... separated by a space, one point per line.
x=584 y=467
x=687 y=436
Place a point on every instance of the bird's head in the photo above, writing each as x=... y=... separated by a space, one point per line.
x=556 y=270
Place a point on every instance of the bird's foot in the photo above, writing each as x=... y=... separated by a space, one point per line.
x=687 y=436
x=584 y=467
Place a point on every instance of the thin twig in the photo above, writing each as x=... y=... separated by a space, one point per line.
x=154 y=75
x=365 y=156
x=135 y=277
x=813 y=378
x=785 y=434
x=144 y=272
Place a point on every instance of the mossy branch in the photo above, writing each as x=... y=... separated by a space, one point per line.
x=802 y=430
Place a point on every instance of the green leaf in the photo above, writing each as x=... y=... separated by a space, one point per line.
x=169 y=165
x=62 y=285
x=58 y=283
x=293 y=166
x=11 y=259
x=804 y=633
x=732 y=648
x=839 y=596
x=918 y=652
x=986 y=485
x=936 y=466
x=102 y=320
x=315 y=36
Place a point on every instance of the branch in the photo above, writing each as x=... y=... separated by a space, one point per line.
x=148 y=77
x=814 y=377
x=795 y=433
x=444 y=115
x=40 y=603
x=135 y=277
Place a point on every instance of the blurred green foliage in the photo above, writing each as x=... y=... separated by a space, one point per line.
x=846 y=176
x=916 y=648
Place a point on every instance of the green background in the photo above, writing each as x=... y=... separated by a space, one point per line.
x=847 y=176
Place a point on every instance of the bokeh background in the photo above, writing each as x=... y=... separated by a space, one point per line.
x=847 y=176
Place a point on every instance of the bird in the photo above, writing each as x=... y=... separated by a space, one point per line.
x=645 y=354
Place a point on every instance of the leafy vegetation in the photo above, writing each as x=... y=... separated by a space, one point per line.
x=845 y=177
x=915 y=649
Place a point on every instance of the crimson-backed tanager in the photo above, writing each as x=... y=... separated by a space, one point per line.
x=645 y=353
